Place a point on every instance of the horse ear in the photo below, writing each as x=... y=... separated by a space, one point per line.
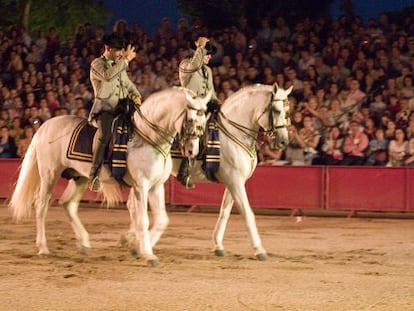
x=289 y=90
x=275 y=87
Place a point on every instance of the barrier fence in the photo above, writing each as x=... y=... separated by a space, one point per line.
x=284 y=187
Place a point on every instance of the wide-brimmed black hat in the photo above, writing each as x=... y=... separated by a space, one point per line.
x=115 y=41
x=211 y=49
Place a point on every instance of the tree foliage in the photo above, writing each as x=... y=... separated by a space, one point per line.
x=223 y=13
x=65 y=16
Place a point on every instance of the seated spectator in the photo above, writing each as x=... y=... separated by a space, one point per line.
x=25 y=140
x=377 y=153
x=5 y=115
x=409 y=130
x=355 y=93
x=304 y=143
x=297 y=119
x=384 y=119
x=407 y=90
x=377 y=106
x=44 y=111
x=336 y=112
x=82 y=113
x=369 y=127
x=7 y=145
x=401 y=118
x=393 y=106
x=322 y=121
x=293 y=152
x=354 y=145
x=145 y=87
x=309 y=106
x=409 y=161
x=265 y=153
x=397 y=149
x=389 y=132
x=331 y=153
x=16 y=130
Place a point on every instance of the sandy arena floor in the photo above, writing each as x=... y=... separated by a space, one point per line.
x=319 y=264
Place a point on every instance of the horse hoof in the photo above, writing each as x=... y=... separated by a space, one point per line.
x=134 y=252
x=153 y=263
x=220 y=252
x=45 y=254
x=123 y=241
x=84 y=250
x=262 y=257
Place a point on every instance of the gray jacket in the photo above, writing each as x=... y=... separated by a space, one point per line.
x=195 y=75
x=110 y=83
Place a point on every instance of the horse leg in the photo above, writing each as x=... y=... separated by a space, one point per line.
x=42 y=206
x=242 y=202
x=128 y=239
x=74 y=192
x=220 y=228
x=142 y=227
x=156 y=200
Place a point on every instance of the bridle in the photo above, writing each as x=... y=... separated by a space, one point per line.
x=253 y=134
x=272 y=131
x=189 y=130
x=167 y=139
x=272 y=115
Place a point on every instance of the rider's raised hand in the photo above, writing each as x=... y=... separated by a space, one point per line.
x=130 y=53
x=201 y=42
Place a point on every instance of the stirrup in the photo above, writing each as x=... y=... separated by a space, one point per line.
x=188 y=183
x=94 y=184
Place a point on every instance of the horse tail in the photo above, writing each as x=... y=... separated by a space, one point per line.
x=27 y=185
x=112 y=194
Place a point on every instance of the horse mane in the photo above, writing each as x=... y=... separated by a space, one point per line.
x=170 y=92
x=250 y=88
x=159 y=99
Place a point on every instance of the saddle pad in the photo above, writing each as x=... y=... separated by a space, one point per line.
x=80 y=145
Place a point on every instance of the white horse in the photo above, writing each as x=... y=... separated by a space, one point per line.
x=241 y=117
x=157 y=121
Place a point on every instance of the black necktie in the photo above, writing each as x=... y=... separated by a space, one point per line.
x=204 y=70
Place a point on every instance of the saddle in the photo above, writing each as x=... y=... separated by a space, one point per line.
x=81 y=144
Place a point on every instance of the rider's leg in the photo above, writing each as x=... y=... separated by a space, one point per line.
x=183 y=175
x=103 y=136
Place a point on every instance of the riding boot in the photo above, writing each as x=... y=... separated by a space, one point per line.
x=183 y=175
x=98 y=157
x=102 y=136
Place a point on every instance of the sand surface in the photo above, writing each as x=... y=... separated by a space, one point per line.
x=322 y=263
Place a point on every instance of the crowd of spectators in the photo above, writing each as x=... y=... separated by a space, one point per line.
x=353 y=98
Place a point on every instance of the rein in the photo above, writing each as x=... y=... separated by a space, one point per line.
x=250 y=150
x=162 y=133
x=249 y=132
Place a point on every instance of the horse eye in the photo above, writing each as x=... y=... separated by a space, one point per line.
x=200 y=113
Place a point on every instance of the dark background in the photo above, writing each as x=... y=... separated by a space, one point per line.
x=149 y=13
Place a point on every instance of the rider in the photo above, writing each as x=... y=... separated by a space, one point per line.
x=195 y=75
x=110 y=83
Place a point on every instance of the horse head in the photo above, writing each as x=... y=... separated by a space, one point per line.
x=194 y=124
x=278 y=117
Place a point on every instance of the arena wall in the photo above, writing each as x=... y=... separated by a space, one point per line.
x=284 y=187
